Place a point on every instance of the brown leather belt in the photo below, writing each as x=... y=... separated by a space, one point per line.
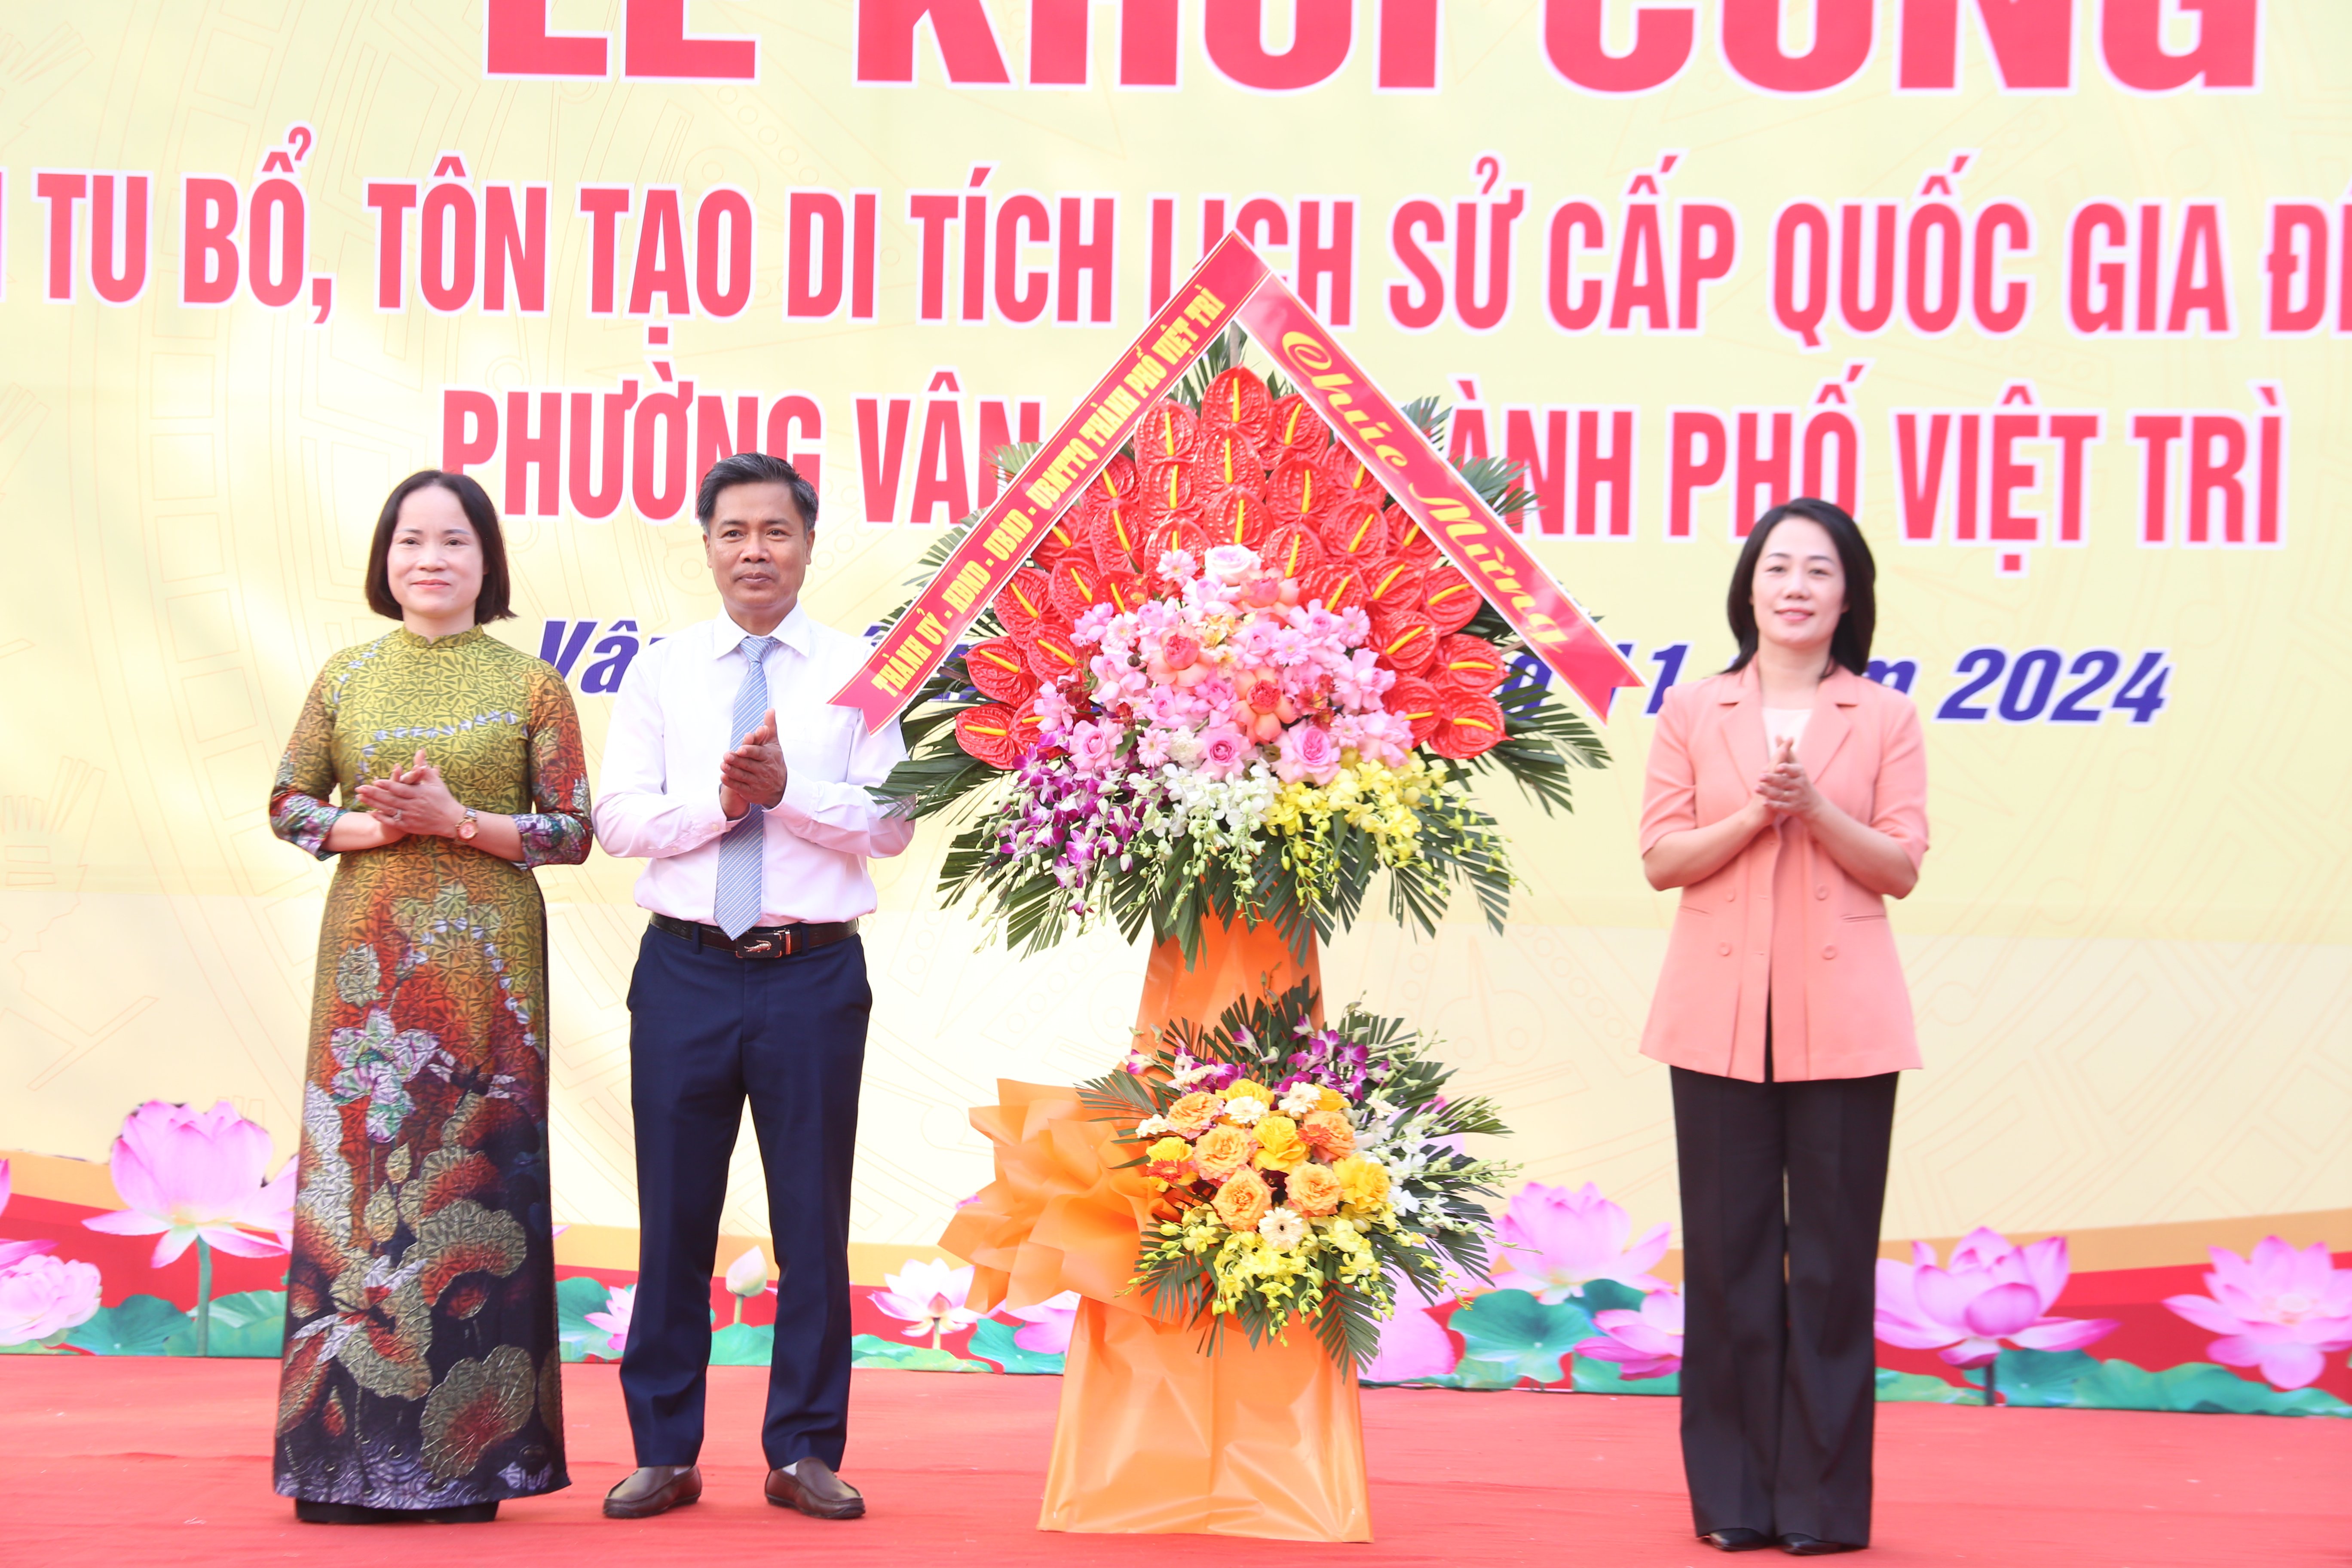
x=759 y=942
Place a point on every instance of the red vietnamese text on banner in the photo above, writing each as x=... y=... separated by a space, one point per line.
x=920 y=639
x=1436 y=497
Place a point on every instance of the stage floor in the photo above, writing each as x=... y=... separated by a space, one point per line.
x=167 y=1461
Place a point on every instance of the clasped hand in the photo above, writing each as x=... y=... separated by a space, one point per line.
x=754 y=773
x=1786 y=789
x=414 y=800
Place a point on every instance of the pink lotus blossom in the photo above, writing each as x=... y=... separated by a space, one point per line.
x=197 y=1174
x=1553 y=1242
x=928 y=1294
x=2282 y=1311
x=1224 y=753
x=42 y=1297
x=1414 y=1346
x=620 y=1307
x=1647 y=1344
x=1992 y=1293
x=1046 y=1326
x=15 y=1251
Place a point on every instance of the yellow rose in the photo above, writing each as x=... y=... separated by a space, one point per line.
x=1331 y=1132
x=1222 y=1151
x=1192 y=1115
x=1364 y=1182
x=1249 y=1089
x=1169 y=1149
x=1243 y=1202
x=1314 y=1191
x=1279 y=1146
x=1333 y=1101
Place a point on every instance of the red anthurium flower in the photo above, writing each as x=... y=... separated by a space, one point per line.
x=1238 y=399
x=987 y=732
x=1394 y=583
x=1415 y=700
x=1078 y=586
x=1296 y=429
x=1354 y=528
x=1292 y=552
x=1000 y=668
x=1406 y=640
x=1468 y=664
x=1053 y=657
x=1472 y=725
x=1339 y=584
x=1166 y=432
x=1408 y=538
x=1025 y=603
x=1448 y=599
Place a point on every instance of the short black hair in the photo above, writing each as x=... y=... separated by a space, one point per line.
x=496 y=587
x=1849 y=644
x=753 y=469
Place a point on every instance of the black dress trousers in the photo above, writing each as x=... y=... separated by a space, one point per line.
x=1782 y=1186
x=708 y=1032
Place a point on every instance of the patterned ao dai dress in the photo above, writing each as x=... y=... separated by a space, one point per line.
x=421 y=1352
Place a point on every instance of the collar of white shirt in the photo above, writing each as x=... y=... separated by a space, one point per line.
x=796 y=631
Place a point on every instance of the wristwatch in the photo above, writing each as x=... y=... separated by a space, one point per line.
x=468 y=825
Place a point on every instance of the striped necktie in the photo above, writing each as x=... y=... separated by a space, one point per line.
x=737 y=905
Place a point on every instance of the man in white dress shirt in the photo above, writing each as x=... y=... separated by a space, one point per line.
x=744 y=790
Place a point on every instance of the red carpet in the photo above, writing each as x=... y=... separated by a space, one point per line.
x=163 y=1461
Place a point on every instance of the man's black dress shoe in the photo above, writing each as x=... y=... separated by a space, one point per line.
x=653 y=1489
x=1797 y=1544
x=1737 y=1539
x=810 y=1487
x=311 y=1512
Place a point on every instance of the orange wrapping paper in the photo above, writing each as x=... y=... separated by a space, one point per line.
x=1156 y=1437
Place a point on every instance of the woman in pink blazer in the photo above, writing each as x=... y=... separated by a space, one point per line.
x=1787 y=799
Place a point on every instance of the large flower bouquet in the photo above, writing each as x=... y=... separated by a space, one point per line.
x=1233 y=683
x=1304 y=1173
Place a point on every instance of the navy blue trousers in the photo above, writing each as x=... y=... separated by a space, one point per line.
x=709 y=1031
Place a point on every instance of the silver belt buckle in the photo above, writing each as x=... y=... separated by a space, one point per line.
x=768 y=944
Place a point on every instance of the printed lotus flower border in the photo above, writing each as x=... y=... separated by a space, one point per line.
x=1994 y=1293
x=1306 y=1174
x=2282 y=1311
x=1232 y=682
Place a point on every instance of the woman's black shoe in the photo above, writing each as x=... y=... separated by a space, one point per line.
x=311 y=1512
x=1737 y=1539
x=1796 y=1543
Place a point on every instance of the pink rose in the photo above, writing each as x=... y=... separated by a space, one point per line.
x=1309 y=753
x=1229 y=564
x=1094 y=747
x=1224 y=753
x=1179 y=651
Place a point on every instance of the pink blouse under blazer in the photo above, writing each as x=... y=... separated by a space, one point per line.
x=1782 y=917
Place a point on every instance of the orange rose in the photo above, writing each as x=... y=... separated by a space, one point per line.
x=1243 y=1201
x=1191 y=1116
x=1222 y=1150
x=1315 y=1191
x=1329 y=1133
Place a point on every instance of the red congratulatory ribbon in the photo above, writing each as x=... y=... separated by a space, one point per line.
x=1436 y=497
x=1233 y=284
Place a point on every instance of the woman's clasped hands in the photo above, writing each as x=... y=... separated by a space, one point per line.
x=1786 y=789
x=414 y=800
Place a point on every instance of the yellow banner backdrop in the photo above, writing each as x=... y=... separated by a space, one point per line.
x=2055 y=299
